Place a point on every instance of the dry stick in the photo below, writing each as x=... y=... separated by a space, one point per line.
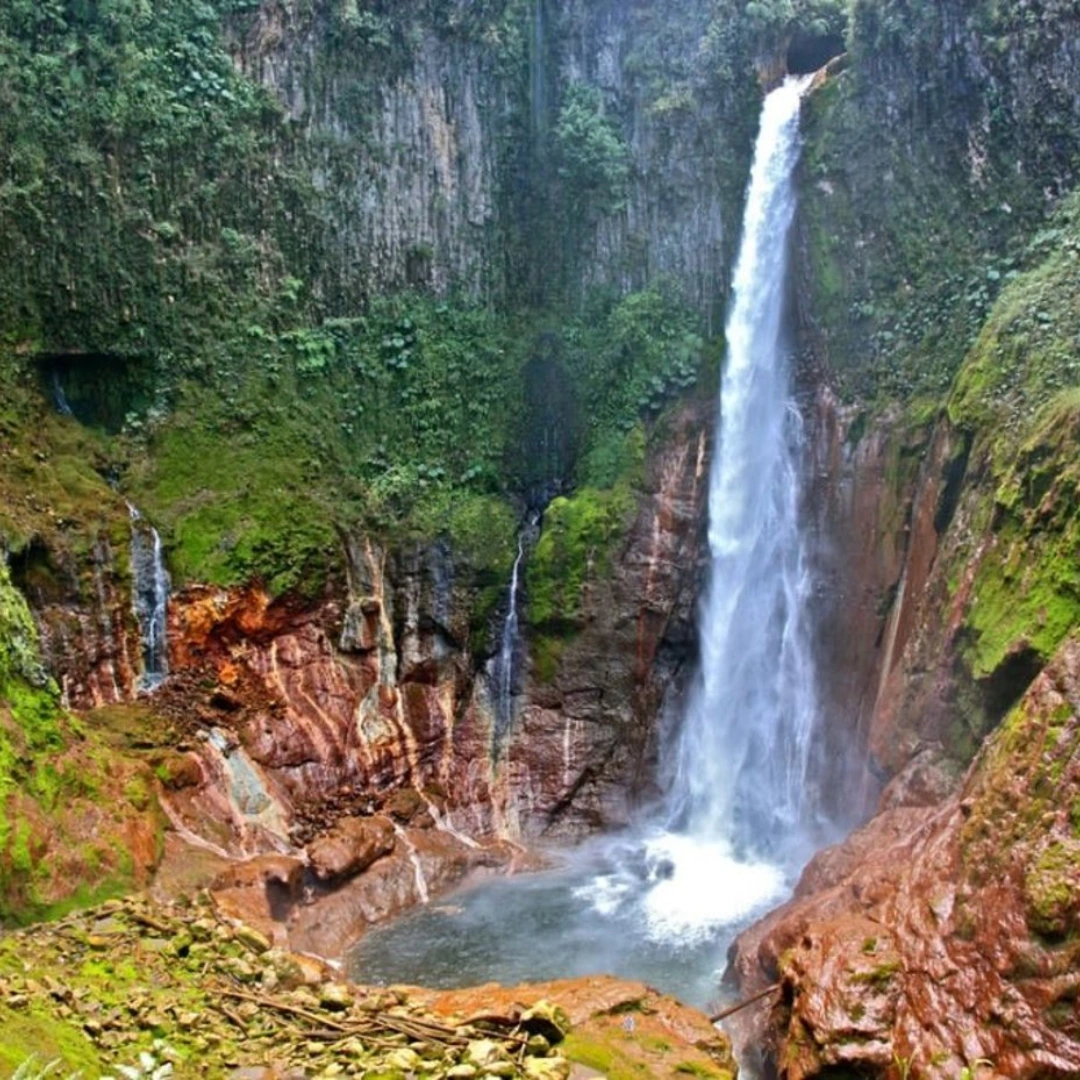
x=149 y=922
x=744 y=1004
x=280 y=1006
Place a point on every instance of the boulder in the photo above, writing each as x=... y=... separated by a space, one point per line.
x=350 y=847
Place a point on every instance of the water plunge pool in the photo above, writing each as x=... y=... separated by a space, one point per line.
x=662 y=909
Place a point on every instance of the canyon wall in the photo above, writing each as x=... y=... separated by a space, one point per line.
x=937 y=296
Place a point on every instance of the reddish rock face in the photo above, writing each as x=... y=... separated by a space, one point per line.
x=299 y=716
x=281 y=719
x=938 y=940
x=628 y=1026
x=350 y=847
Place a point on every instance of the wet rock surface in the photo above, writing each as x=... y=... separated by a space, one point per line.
x=189 y=992
x=942 y=938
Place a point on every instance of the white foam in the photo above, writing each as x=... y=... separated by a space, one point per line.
x=700 y=887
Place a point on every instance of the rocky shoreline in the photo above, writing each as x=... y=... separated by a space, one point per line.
x=142 y=988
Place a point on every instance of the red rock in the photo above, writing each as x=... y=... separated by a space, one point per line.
x=942 y=937
x=350 y=847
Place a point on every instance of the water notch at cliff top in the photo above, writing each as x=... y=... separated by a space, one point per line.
x=740 y=818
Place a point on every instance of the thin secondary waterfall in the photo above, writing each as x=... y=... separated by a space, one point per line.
x=151 y=598
x=63 y=406
x=745 y=744
x=504 y=666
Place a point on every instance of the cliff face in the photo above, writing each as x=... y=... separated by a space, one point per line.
x=937 y=238
x=281 y=717
x=938 y=938
x=443 y=145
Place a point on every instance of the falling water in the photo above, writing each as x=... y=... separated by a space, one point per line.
x=151 y=597
x=504 y=672
x=744 y=749
x=504 y=662
x=538 y=72
x=663 y=903
x=63 y=406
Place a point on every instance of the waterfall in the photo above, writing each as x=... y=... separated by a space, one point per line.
x=151 y=598
x=504 y=671
x=663 y=901
x=745 y=744
x=740 y=813
x=538 y=72
x=63 y=406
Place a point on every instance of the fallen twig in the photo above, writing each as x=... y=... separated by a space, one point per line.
x=732 y=1010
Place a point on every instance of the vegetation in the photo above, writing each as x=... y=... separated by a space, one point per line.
x=913 y=234
x=1018 y=400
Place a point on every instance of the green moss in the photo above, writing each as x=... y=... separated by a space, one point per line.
x=911 y=232
x=24 y=1034
x=575 y=549
x=603 y=1057
x=547 y=651
x=1050 y=890
x=881 y=976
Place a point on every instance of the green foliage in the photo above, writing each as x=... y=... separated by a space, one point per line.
x=579 y=537
x=1018 y=398
x=913 y=233
x=293 y=434
x=632 y=356
x=592 y=156
x=129 y=210
x=771 y=19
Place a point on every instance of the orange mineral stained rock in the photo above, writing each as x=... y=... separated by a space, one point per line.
x=942 y=937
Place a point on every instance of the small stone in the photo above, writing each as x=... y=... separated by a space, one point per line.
x=187 y=1020
x=547 y=1019
x=553 y=1068
x=202 y=929
x=484 y=1052
x=335 y=997
x=252 y=939
x=462 y=1072
x=538 y=1046
x=500 y=1068
x=404 y=1059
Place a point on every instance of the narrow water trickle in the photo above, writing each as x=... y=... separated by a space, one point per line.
x=663 y=902
x=63 y=406
x=151 y=587
x=504 y=668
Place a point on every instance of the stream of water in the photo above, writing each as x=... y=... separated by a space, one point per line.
x=664 y=902
x=151 y=586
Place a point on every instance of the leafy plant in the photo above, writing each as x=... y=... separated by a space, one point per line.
x=31 y=1069
x=593 y=158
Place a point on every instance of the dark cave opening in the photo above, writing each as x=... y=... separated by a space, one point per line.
x=100 y=390
x=809 y=52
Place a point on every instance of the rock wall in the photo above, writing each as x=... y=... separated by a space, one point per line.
x=943 y=938
x=434 y=141
x=282 y=722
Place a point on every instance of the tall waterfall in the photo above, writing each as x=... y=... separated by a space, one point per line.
x=151 y=597
x=663 y=902
x=745 y=745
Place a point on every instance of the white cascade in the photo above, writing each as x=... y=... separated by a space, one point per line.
x=745 y=743
x=504 y=672
x=740 y=814
x=151 y=586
